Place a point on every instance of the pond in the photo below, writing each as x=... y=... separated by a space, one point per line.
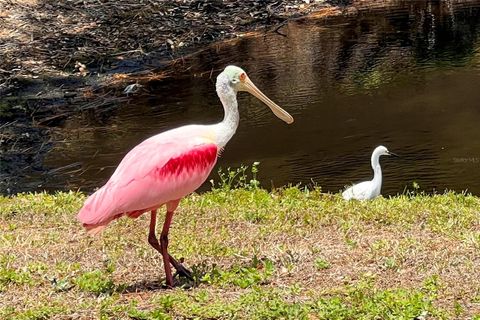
x=407 y=77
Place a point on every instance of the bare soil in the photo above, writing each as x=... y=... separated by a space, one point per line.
x=64 y=38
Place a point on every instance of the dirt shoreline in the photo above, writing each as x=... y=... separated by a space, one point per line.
x=45 y=38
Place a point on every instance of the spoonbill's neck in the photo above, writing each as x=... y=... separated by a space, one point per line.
x=228 y=96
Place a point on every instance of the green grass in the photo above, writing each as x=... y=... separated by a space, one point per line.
x=37 y=313
x=361 y=300
x=292 y=253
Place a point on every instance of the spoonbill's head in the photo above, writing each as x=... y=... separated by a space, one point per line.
x=239 y=81
x=383 y=151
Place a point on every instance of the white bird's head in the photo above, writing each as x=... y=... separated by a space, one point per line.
x=239 y=81
x=383 y=151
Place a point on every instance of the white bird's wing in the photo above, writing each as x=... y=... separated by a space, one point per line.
x=360 y=191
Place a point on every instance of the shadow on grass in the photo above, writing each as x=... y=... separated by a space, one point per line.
x=144 y=286
x=198 y=272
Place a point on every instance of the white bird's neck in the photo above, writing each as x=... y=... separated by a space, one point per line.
x=377 y=170
x=227 y=127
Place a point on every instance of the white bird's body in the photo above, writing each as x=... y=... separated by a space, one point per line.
x=362 y=191
x=369 y=189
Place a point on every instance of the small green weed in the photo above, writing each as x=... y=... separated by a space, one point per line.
x=237 y=178
x=390 y=263
x=96 y=282
x=243 y=276
x=10 y=275
x=321 y=264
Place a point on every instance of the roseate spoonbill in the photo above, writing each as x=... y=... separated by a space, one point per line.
x=168 y=166
x=369 y=189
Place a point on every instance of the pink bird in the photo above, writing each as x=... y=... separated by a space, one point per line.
x=168 y=166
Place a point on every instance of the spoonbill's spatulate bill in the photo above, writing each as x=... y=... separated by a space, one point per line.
x=369 y=189
x=166 y=167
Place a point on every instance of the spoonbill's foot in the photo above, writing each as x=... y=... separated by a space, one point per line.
x=181 y=270
x=166 y=286
x=184 y=272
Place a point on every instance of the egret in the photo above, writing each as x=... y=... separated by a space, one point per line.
x=369 y=189
x=168 y=166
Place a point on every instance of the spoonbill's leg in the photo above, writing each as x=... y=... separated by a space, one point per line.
x=162 y=246
x=152 y=239
x=181 y=270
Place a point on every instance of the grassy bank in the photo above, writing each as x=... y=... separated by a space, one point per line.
x=291 y=253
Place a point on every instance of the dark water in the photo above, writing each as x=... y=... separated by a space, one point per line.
x=408 y=78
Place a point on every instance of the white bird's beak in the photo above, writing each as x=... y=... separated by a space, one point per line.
x=276 y=109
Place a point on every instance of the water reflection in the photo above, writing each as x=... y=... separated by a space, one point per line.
x=406 y=78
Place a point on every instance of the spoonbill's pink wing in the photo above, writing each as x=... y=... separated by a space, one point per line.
x=158 y=170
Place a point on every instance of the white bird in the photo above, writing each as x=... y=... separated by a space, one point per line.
x=369 y=189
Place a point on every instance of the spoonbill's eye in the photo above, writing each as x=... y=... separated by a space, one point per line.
x=243 y=76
